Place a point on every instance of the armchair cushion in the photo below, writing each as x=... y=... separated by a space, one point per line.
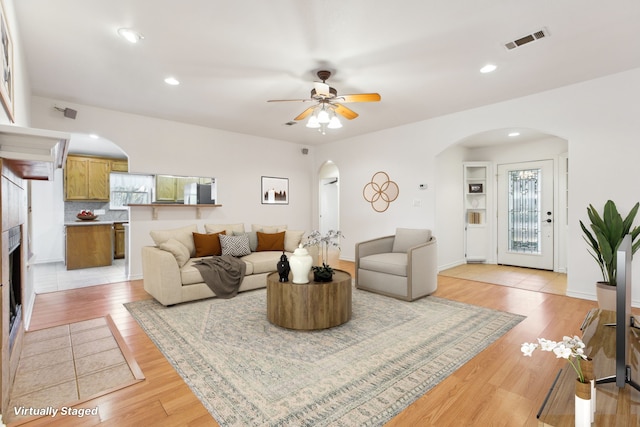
x=409 y=237
x=391 y=263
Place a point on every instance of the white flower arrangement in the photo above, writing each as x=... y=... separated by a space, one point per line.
x=328 y=240
x=569 y=348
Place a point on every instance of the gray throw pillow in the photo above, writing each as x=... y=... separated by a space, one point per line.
x=253 y=238
x=234 y=245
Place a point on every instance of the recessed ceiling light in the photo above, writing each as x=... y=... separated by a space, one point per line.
x=132 y=36
x=488 y=68
x=171 y=81
x=93 y=136
x=512 y=134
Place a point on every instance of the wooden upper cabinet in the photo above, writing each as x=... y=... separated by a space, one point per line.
x=166 y=188
x=119 y=165
x=87 y=178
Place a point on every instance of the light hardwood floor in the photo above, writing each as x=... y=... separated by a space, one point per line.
x=498 y=387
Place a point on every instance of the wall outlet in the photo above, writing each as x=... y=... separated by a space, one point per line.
x=99 y=212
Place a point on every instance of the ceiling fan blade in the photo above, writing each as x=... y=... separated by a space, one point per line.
x=322 y=88
x=345 y=112
x=290 y=100
x=360 y=97
x=305 y=113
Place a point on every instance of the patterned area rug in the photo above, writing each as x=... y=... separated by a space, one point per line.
x=248 y=372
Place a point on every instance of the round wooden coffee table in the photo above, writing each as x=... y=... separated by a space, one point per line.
x=309 y=306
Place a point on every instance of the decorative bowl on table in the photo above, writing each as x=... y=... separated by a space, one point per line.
x=86 y=216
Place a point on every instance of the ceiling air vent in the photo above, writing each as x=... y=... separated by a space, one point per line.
x=537 y=35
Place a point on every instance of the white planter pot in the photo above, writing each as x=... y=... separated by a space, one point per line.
x=606 y=295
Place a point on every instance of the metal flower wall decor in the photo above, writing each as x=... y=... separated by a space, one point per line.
x=380 y=192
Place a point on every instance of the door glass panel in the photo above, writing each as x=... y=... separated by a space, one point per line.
x=524 y=211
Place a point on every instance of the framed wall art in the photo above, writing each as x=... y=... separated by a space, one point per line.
x=475 y=188
x=275 y=191
x=6 y=52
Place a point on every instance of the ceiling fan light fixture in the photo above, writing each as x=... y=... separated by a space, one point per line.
x=313 y=122
x=323 y=117
x=334 y=123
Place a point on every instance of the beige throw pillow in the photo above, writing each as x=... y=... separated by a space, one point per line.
x=292 y=239
x=177 y=249
x=228 y=228
x=269 y=229
x=183 y=235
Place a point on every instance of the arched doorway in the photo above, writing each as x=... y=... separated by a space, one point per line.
x=495 y=148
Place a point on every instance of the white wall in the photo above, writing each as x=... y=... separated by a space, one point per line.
x=159 y=146
x=598 y=118
x=21 y=114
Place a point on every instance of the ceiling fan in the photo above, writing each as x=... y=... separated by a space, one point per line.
x=328 y=104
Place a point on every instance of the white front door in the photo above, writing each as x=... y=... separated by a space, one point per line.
x=525 y=214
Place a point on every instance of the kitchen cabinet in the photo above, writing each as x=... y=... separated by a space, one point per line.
x=87 y=178
x=119 y=165
x=89 y=245
x=171 y=188
x=118 y=240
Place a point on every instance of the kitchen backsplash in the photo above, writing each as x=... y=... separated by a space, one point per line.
x=71 y=209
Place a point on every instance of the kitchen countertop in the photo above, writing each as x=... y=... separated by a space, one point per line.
x=94 y=222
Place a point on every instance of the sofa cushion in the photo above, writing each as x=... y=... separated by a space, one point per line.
x=392 y=263
x=228 y=228
x=409 y=237
x=292 y=239
x=268 y=228
x=234 y=245
x=270 y=241
x=253 y=238
x=178 y=250
x=207 y=244
x=263 y=262
x=183 y=235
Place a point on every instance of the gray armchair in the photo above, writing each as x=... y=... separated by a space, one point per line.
x=402 y=266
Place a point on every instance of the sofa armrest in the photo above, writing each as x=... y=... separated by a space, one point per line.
x=161 y=275
x=371 y=247
x=422 y=268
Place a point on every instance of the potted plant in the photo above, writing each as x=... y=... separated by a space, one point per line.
x=608 y=231
x=323 y=272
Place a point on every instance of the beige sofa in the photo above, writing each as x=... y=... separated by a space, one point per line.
x=168 y=271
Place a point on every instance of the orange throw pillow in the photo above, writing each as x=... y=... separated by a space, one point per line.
x=207 y=244
x=270 y=241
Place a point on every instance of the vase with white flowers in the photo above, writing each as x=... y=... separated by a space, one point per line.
x=323 y=272
x=572 y=349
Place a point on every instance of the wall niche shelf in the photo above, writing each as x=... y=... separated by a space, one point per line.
x=477 y=210
x=155 y=206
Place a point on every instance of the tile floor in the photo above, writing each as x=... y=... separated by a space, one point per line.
x=516 y=277
x=67 y=364
x=53 y=277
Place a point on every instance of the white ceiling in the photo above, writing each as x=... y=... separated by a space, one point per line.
x=422 y=56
